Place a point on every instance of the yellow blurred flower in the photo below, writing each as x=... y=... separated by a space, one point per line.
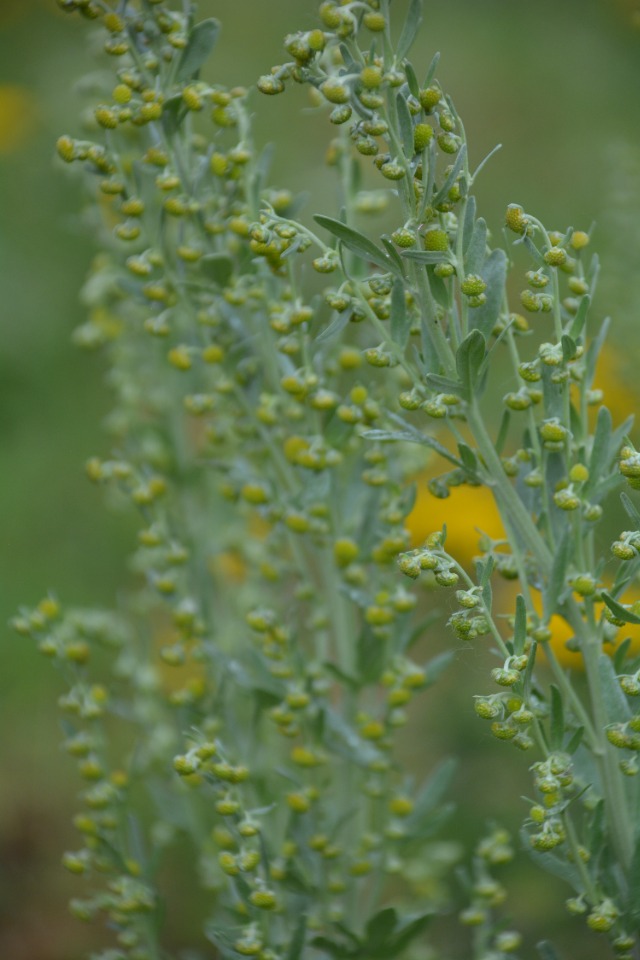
x=467 y=513
x=17 y=117
x=613 y=377
x=562 y=631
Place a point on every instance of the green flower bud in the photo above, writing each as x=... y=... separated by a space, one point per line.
x=335 y=91
x=448 y=143
x=473 y=285
x=403 y=238
x=429 y=98
x=371 y=77
x=555 y=257
x=444 y=269
x=553 y=430
x=341 y=114
x=392 y=170
x=566 y=499
x=486 y=708
x=422 y=136
x=270 y=85
x=374 y=21
x=515 y=218
x=435 y=238
x=579 y=239
x=531 y=301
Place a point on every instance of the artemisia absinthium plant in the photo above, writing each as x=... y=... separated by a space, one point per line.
x=265 y=436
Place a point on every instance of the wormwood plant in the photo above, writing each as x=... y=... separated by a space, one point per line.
x=246 y=695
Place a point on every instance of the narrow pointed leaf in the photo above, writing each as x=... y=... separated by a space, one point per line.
x=412 y=80
x=354 y=241
x=630 y=509
x=200 y=44
x=296 y=945
x=616 y=707
x=477 y=250
x=406 y=126
x=410 y=29
x=453 y=176
x=494 y=274
x=556 y=732
x=618 y=610
x=469 y=357
x=520 y=626
x=427 y=256
x=338 y=324
x=445 y=385
x=599 y=460
x=484 y=162
x=431 y=72
x=556 y=584
x=469 y=222
x=400 y=316
x=580 y=318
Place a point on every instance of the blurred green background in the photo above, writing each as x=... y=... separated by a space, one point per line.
x=557 y=82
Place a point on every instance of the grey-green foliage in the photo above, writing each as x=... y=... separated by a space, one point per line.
x=262 y=664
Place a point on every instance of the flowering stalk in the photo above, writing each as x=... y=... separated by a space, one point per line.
x=261 y=668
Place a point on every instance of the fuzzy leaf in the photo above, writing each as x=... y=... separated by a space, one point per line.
x=595 y=347
x=494 y=274
x=476 y=253
x=556 y=583
x=634 y=884
x=484 y=162
x=556 y=723
x=437 y=665
x=356 y=242
x=552 y=864
x=599 y=460
x=392 y=251
x=577 y=325
x=453 y=176
x=336 y=326
x=568 y=348
x=430 y=796
x=616 y=707
x=618 y=610
x=296 y=945
x=426 y=256
x=630 y=509
x=200 y=44
x=469 y=223
x=431 y=72
x=400 y=316
x=445 y=384
x=412 y=80
x=501 y=439
x=468 y=458
x=406 y=126
x=520 y=625
x=469 y=357
x=575 y=741
x=412 y=436
x=174 y=110
x=410 y=29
